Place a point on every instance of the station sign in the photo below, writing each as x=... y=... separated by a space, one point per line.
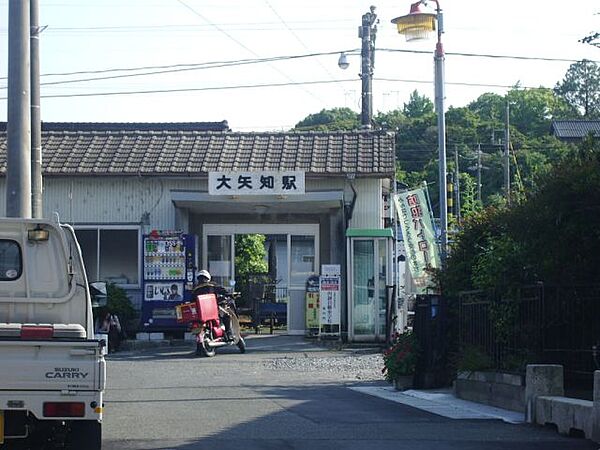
x=256 y=183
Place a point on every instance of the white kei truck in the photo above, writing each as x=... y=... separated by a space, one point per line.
x=52 y=369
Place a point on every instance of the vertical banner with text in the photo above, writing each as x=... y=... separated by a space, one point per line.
x=422 y=252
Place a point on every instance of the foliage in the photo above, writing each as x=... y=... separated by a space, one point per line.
x=250 y=254
x=250 y=259
x=472 y=358
x=581 y=88
x=417 y=106
x=552 y=235
x=117 y=302
x=330 y=120
x=592 y=39
x=401 y=357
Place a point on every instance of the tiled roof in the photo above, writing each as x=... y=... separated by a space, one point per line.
x=575 y=129
x=188 y=152
x=131 y=126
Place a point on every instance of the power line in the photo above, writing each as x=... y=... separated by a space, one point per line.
x=487 y=55
x=241 y=44
x=293 y=33
x=210 y=63
x=308 y=55
x=178 y=68
x=215 y=88
x=250 y=86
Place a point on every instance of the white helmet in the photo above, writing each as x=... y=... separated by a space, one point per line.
x=204 y=274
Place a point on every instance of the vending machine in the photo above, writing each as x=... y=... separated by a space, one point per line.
x=169 y=266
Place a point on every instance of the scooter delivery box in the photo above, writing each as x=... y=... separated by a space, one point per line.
x=186 y=312
x=202 y=310
x=207 y=307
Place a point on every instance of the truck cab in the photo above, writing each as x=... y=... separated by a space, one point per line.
x=52 y=370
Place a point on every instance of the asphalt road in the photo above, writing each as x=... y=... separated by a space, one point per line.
x=284 y=393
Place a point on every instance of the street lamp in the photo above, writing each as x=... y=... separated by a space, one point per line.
x=418 y=25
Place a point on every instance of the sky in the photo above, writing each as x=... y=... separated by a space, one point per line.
x=85 y=38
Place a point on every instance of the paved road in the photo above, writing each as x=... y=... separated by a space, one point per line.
x=283 y=394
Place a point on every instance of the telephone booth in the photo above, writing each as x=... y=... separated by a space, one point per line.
x=370 y=281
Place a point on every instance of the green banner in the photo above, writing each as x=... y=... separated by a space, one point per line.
x=419 y=237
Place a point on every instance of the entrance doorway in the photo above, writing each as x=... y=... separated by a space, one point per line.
x=291 y=253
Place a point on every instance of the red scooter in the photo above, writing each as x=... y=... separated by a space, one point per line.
x=202 y=315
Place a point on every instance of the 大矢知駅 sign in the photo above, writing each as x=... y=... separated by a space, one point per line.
x=256 y=183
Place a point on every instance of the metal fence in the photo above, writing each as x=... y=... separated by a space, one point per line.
x=534 y=324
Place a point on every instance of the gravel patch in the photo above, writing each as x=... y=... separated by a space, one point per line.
x=345 y=367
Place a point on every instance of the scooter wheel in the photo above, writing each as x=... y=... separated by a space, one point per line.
x=203 y=349
x=242 y=345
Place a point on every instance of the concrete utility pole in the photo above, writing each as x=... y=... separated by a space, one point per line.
x=457 y=184
x=18 y=157
x=36 y=124
x=367 y=32
x=507 y=155
x=479 y=172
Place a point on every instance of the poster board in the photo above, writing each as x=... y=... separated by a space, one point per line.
x=330 y=301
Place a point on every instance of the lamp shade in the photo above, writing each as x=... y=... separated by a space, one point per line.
x=416 y=25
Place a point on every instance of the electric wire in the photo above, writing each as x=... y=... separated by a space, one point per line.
x=293 y=33
x=241 y=44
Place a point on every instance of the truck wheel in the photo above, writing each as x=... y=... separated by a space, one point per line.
x=242 y=345
x=85 y=434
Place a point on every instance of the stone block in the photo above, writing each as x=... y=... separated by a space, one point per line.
x=542 y=380
x=150 y=336
x=566 y=413
x=595 y=421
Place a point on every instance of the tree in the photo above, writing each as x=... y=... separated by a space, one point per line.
x=592 y=39
x=250 y=254
x=330 y=120
x=581 y=88
x=417 y=106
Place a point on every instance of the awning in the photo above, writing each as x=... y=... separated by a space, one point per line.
x=309 y=203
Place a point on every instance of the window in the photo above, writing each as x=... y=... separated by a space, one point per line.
x=302 y=259
x=11 y=265
x=111 y=254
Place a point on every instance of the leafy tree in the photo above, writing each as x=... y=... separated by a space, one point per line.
x=592 y=39
x=417 y=106
x=581 y=88
x=330 y=120
x=250 y=259
x=250 y=254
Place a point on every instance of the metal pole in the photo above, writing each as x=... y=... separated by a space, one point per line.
x=36 y=124
x=441 y=123
x=507 y=155
x=479 y=172
x=18 y=136
x=367 y=32
x=457 y=184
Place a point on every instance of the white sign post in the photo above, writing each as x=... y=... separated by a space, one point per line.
x=330 y=301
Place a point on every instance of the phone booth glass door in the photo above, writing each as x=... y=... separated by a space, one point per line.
x=370 y=275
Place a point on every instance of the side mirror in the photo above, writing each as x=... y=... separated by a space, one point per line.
x=98 y=293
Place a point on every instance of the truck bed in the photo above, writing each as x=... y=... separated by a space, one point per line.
x=51 y=365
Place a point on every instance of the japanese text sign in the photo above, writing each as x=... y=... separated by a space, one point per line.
x=256 y=183
x=419 y=236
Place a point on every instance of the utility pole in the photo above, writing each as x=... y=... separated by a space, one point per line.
x=507 y=155
x=457 y=184
x=36 y=124
x=367 y=32
x=18 y=136
x=479 y=172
